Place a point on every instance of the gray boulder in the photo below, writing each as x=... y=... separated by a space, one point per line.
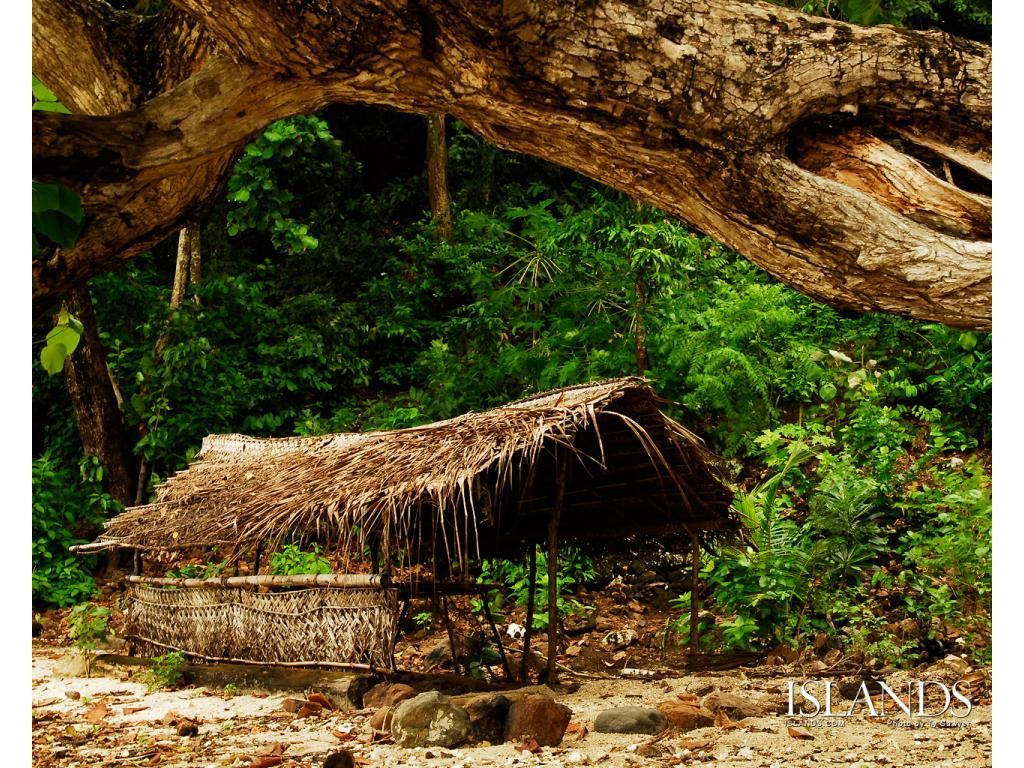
x=429 y=720
x=631 y=720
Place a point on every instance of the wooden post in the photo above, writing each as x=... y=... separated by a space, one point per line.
x=451 y=636
x=486 y=603
x=532 y=586
x=137 y=562
x=562 y=457
x=259 y=554
x=694 y=603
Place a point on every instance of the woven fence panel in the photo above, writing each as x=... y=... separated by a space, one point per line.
x=320 y=625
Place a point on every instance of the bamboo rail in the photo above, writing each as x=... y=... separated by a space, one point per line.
x=356 y=580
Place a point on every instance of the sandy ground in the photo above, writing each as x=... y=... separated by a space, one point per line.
x=110 y=719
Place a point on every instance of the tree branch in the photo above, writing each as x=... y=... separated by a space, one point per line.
x=698 y=107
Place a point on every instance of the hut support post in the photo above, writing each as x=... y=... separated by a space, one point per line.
x=529 y=613
x=136 y=562
x=259 y=554
x=563 y=458
x=451 y=635
x=694 y=604
x=486 y=603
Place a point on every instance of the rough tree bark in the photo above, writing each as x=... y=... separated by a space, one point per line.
x=98 y=414
x=103 y=61
x=704 y=108
x=437 y=176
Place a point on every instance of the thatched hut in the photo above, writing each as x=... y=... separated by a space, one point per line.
x=591 y=461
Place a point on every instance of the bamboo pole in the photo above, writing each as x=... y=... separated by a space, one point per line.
x=563 y=459
x=297 y=580
x=694 y=604
x=532 y=586
x=452 y=642
x=486 y=603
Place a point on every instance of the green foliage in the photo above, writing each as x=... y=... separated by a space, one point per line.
x=262 y=201
x=575 y=568
x=61 y=341
x=292 y=560
x=167 y=671
x=423 y=619
x=197 y=571
x=67 y=508
x=89 y=625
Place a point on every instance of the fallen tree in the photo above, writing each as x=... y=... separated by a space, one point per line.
x=853 y=163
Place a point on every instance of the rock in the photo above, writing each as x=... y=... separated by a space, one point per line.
x=487 y=716
x=382 y=719
x=685 y=715
x=619 y=638
x=429 y=720
x=387 y=695
x=440 y=655
x=340 y=759
x=954 y=664
x=188 y=728
x=736 y=707
x=292 y=704
x=358 y=685
x=539 y=717
x=73 y=695
x=71 y=664
x=631 y=720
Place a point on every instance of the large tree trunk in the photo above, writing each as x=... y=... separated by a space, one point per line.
x=437 y=176
x=810 y=146
x=94 y=398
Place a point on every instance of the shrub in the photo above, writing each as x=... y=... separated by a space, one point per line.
x=167 y=671
x=292 y=560
x=89 y=625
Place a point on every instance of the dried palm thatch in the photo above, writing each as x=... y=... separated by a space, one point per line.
x=469 y=485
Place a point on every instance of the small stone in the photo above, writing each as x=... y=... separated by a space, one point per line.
x=341 y=759
x=685 y=715
x=381 y=719
x=429 y=719
x=538 y=717
x=292 y=704
x=631 y=720
x=620 y=638
x=734 y=706
x=188 y=728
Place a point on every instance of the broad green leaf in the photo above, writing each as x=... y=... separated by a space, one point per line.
x=52 y=357
x=64 y=335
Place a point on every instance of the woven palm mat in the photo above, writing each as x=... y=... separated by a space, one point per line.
x=311 y=626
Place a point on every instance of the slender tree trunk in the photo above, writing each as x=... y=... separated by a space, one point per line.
x=94 y=398
x=437 y=176
x=643 y=361
x=186 y=270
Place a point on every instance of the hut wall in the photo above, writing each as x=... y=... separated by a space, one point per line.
x=320 y=625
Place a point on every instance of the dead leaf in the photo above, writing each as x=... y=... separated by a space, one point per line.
x=340 y=736
x=133 y=710
x=800 y=733
x=579 y=730
x=722 y=719
x=530 y=745
x=689 y=698
x=266 y=761
x=97 y=712
x=573 y=650
x=695 y=744
x=323 y=701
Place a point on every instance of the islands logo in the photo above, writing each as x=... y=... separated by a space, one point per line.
x=941 y=703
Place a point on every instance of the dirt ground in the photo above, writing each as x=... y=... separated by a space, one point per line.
x=111 y=719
